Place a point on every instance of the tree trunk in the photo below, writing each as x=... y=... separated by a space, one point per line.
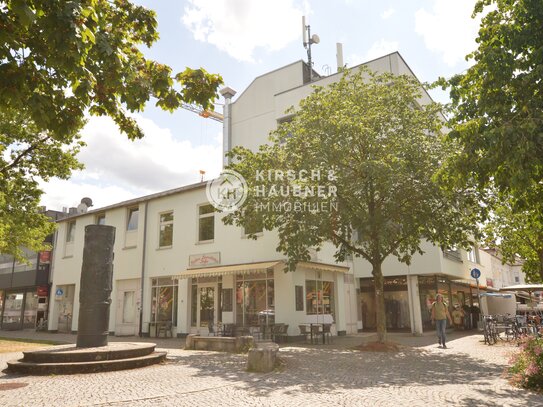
x=380 y=314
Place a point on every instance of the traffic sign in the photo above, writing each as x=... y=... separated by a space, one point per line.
x=476 y=273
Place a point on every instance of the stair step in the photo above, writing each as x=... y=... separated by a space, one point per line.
x=70 y=353
x=23 y=366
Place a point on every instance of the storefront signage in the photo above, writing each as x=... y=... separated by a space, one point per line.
x=45 y=257
x=42 y=291
x=204 y=260
x=489 y=282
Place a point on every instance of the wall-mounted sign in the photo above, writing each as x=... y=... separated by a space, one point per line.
x=489 y=282
x=59 y=293
x=42 y=291
x=204 y=260
x=45 y=257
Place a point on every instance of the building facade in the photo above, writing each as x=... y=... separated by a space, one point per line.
x=25 y=286
x=176 y=263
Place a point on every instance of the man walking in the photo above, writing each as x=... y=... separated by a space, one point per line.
x=440 y=314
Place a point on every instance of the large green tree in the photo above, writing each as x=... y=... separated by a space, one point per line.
x=61 y=60
x=497 y=118
x=375 y=152
x=518 y=234
x=497 y=103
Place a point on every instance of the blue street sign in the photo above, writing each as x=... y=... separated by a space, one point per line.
x=476 y=273
x=59 y=292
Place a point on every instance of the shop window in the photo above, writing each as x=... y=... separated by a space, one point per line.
x=396 y=303
x=166 y=230
x=319 y=297
x=133 y=217
x=206 y=223
x=255 y=299
x=299 y=295
x=194 y=305
x=227 y=300
x=164 y=300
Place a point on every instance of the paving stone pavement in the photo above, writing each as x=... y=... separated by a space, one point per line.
x=469 y=373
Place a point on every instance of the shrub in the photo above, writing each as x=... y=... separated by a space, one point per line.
x=526 y=368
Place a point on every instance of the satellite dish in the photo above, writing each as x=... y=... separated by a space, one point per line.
x=315 y=39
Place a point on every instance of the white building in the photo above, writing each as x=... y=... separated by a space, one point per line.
x=175 y=261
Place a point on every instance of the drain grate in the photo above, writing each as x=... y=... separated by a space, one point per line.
x=11 y=386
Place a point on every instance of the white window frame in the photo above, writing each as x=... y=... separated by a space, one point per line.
x=128 y=216
x=70 y=232
x=206 y=215
x=165 y=223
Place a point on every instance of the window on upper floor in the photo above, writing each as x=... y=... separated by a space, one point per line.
x=101 y=219
x=473 y=255
x=70 y=232
x=165 y=238
x=452 y=253
x=253 y=227
x=133 y=216
x=206 y=223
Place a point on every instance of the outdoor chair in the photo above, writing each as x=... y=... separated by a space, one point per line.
x=228 y=330
x=327 y=332
x=211 y=329
x=280 y=332
x=304 y=330
x=164 y=328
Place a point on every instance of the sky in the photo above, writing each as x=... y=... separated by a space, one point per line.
x=242 y=39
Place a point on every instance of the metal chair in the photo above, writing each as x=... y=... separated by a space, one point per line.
x=327 y=332
x=304 y=330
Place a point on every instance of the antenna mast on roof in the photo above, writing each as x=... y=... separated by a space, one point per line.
x=309 y=39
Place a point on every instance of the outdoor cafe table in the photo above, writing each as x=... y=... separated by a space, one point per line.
x=320 y=331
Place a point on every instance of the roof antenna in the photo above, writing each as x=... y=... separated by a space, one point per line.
x=309 y=39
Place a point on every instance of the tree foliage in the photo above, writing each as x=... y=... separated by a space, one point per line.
x=61 y=60
x=497 y=104
x=379 y=150
x=497 y=118
x=518 y=234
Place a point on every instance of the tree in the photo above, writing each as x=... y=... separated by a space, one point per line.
x=497 y=104
x=517 y=234
x=30 y=155
x=497 y=119
x=374 y=152
x=60 y=60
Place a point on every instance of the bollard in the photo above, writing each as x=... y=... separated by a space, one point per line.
x=95 y=287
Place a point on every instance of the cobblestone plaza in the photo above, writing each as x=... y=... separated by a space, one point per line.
x=469 y=373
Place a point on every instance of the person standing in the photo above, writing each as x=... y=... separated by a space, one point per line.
x=440 y=314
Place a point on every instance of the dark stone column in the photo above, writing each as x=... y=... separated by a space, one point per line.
x=96 y=284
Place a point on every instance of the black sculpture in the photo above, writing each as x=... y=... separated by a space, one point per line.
x=96 y=285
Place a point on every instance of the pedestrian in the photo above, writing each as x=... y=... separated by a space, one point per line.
x=440 y=314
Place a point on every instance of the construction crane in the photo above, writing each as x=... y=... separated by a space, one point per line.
x=203 y=113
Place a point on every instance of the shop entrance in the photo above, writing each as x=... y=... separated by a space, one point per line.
x=207 y=304
x=20 y=310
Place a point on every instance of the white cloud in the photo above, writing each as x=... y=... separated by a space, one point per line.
x=238 y=27
x=387 y=13
x=117 y=168
x=448 y=29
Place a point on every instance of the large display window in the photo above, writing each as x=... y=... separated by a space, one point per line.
x=255 y=304
x=396 y=303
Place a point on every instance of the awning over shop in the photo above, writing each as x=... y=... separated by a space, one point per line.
x=323 y=267
x=250 y=268
x=247 y=268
